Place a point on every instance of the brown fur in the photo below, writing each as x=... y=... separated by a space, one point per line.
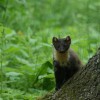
x=62 y=58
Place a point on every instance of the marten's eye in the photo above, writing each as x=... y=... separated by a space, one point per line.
x=65 y=41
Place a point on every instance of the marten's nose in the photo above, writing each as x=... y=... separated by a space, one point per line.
x=62 y=50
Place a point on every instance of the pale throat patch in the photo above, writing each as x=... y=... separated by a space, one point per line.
x=62 y=58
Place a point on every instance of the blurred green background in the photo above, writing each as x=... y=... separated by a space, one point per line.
x=26 y=31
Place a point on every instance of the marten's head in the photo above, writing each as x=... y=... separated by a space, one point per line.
x=61 y=45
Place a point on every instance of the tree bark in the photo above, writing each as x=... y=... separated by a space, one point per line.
x=85 y=85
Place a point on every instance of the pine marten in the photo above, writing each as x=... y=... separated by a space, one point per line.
x=66 y=62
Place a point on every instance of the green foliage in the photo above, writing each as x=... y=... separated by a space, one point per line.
x=15 y=94
x=26 y=31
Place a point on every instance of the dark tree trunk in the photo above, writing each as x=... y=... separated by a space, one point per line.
x=85 y=85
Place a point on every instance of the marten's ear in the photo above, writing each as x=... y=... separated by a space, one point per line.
x=68 y=39
x=54 y=40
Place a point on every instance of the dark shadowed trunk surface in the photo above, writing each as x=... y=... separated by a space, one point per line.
x=85 y=85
